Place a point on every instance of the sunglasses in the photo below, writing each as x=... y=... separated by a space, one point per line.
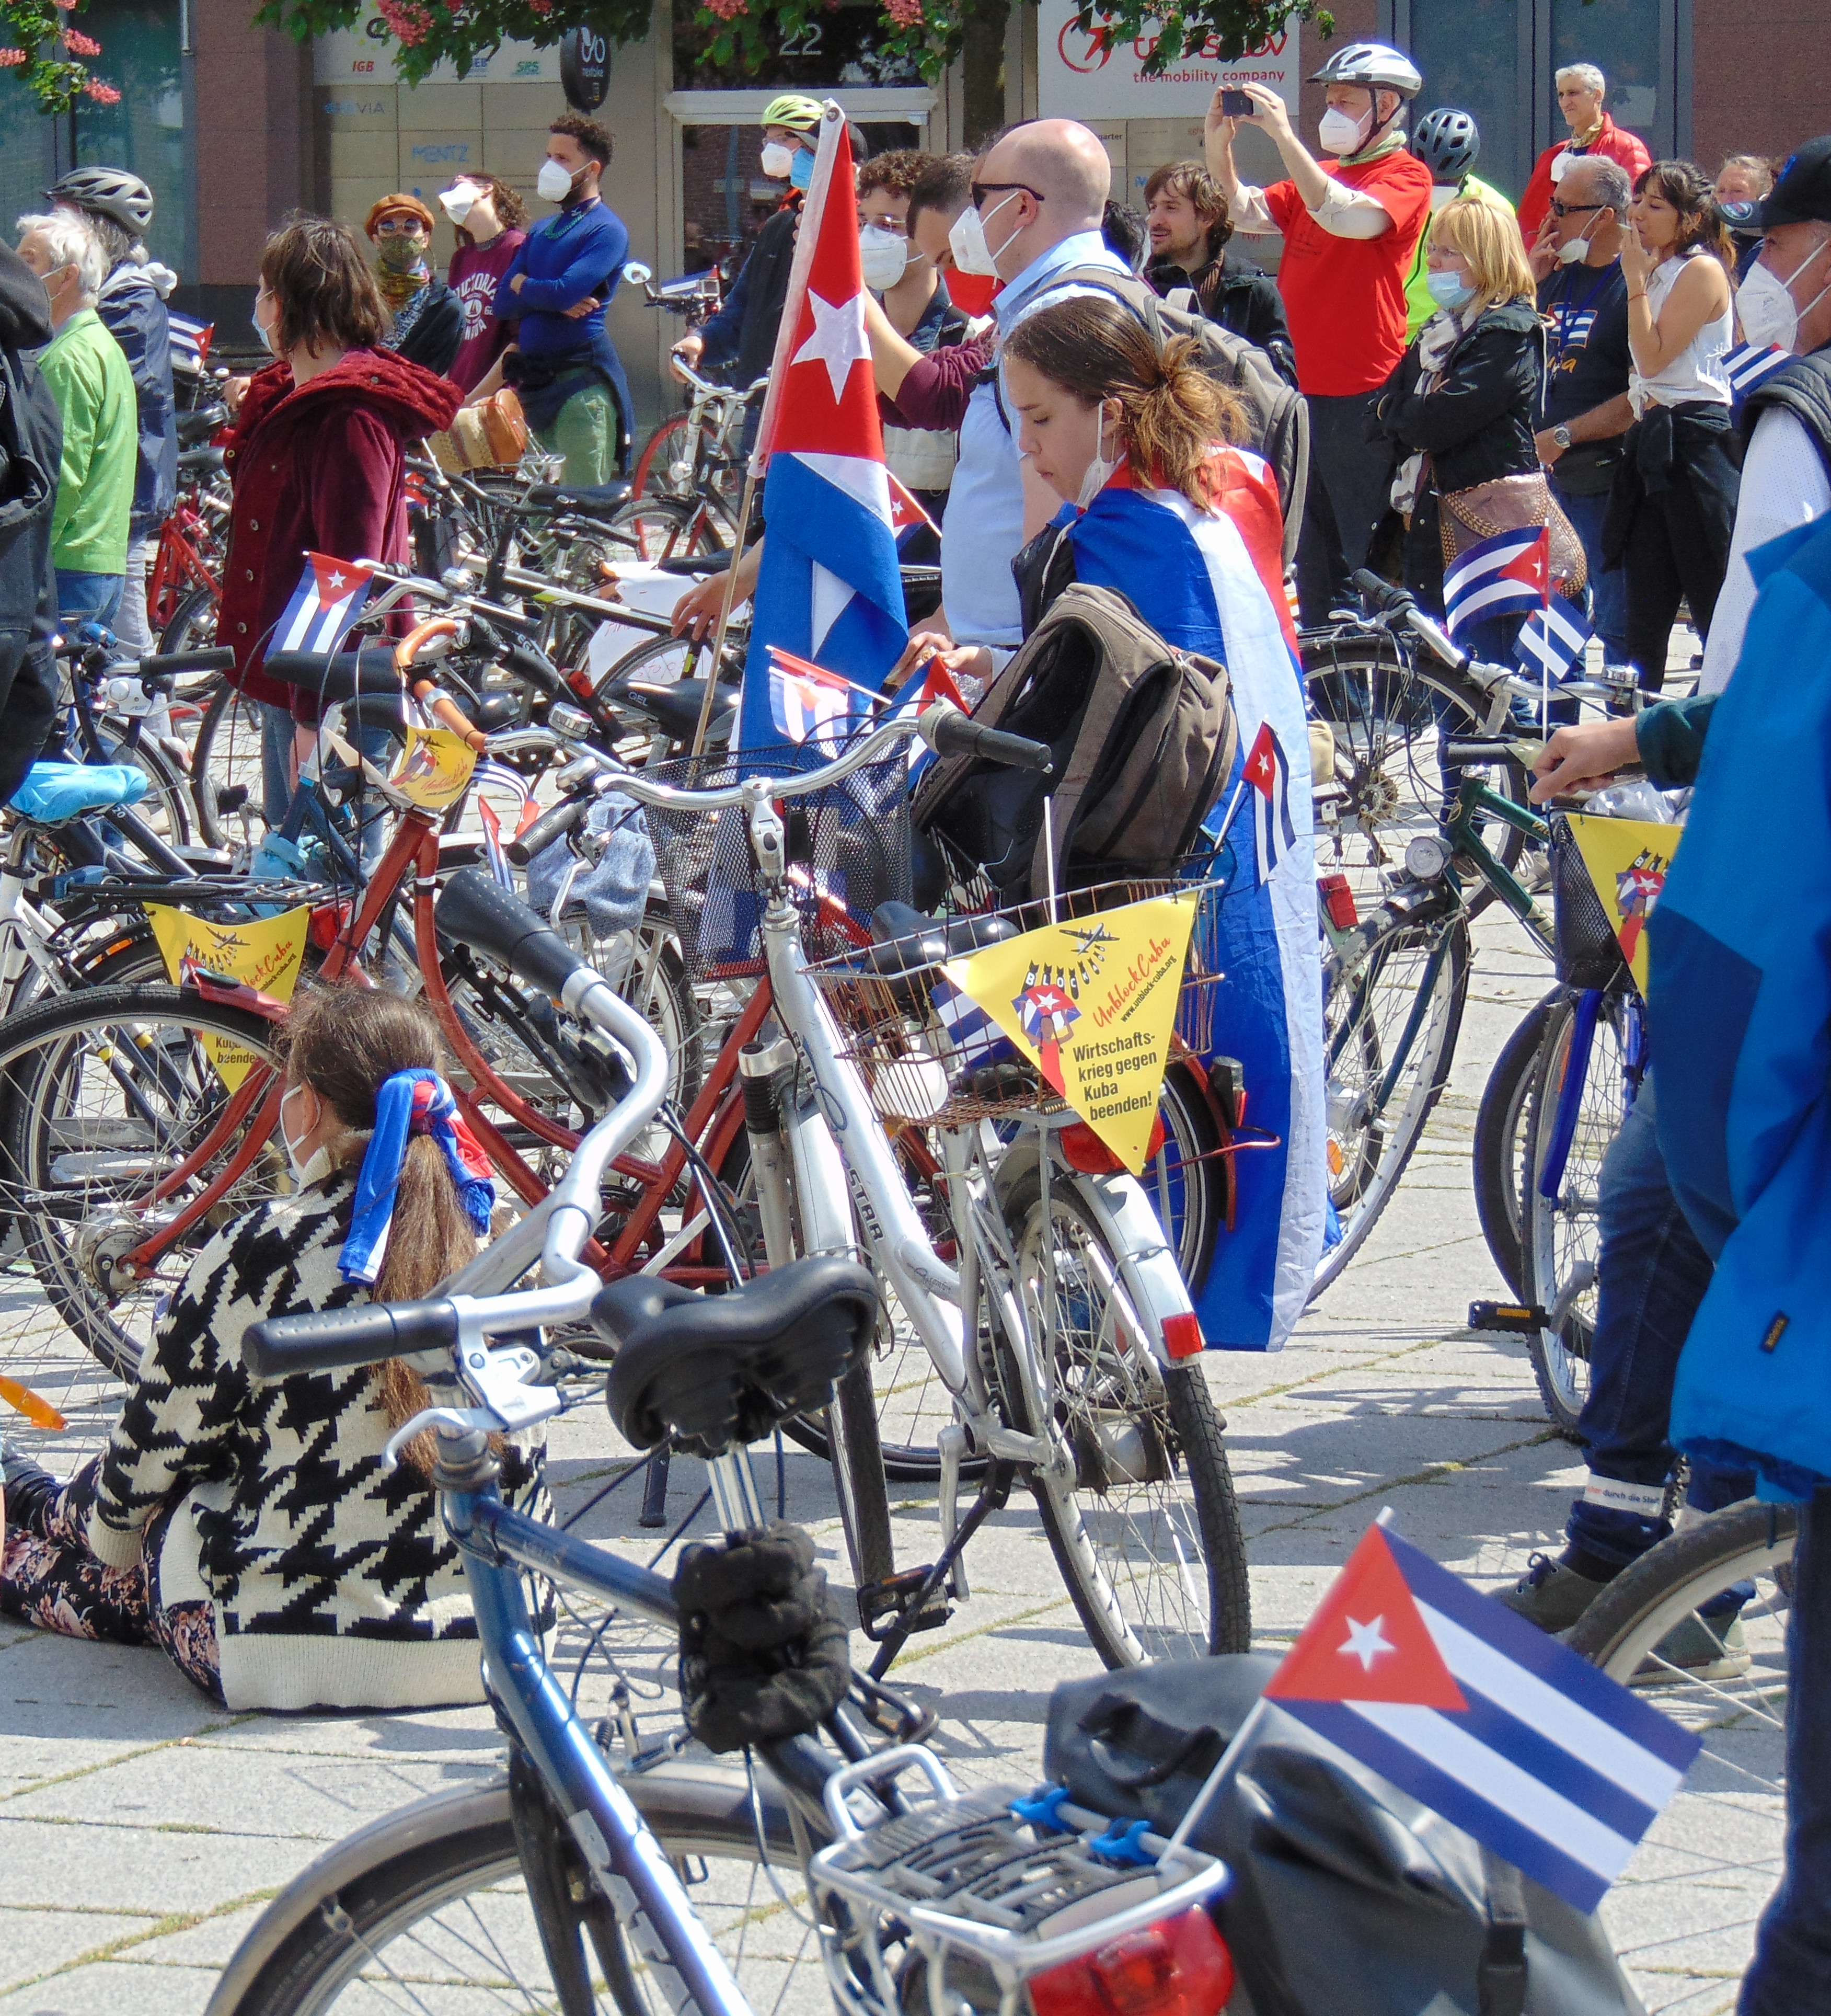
x=980 y=191
x=1576 y=209
x=388 y=226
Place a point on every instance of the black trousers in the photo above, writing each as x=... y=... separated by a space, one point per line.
x=1350 y=476
x=1678 y=547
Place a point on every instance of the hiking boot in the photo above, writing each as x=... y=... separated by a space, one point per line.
x=1550 y=1594
x=31 y=1491
x=1701 y=1648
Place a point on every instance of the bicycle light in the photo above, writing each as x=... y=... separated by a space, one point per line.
x=1180 y=1967
x=1427 y=858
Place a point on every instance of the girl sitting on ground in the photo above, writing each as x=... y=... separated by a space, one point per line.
x=246 y=1526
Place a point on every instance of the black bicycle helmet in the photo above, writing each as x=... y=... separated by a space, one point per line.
x=1447 y=142
x=121 y=197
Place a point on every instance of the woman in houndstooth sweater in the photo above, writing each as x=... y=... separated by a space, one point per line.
x=245 y=1525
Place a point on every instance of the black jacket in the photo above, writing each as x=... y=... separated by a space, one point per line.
x=1240 y=296
x=740 y=339
x=1477 y=423
x=31 y=441
x=1803 y=389
x=432 y=331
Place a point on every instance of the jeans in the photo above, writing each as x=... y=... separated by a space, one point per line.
x=1651 y=1275
x=88 y=598
x=1791 y=1973
x=584 y=432
x=1349 y=478
x=277 y=732
x=1608 y=585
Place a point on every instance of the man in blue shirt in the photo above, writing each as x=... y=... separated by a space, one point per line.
x=556 y=291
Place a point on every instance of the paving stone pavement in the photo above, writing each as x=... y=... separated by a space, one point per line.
x=141 y=1831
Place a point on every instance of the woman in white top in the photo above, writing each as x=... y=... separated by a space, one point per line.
x=1673 y=508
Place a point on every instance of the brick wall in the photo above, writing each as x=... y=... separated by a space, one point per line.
x=1759 y=81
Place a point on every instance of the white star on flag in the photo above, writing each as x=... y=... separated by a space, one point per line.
x=1365 y=1642
x=839 y=340
x=333 y=580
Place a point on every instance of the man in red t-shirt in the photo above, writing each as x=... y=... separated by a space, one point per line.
x=1350 y=227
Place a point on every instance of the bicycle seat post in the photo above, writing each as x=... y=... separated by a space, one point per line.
x=734 y=1503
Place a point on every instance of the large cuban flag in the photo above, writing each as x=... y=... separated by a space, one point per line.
x=830 y=588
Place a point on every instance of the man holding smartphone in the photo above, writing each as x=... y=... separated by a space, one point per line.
x=1350 y=226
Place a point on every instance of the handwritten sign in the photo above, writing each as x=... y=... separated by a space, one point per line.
x=435 y=767
x=265 y=953
x=1093 y=1003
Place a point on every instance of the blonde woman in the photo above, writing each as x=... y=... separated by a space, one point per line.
x=1460 y=406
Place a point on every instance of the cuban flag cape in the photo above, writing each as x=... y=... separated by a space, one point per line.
x=1204 y=580
x=830 y=587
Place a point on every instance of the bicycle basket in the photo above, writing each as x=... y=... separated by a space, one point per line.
x=848 y=850
x=958 y=1902
x=928 y=1053
x=1589 y=952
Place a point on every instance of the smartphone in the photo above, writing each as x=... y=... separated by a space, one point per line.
x=1236 y=105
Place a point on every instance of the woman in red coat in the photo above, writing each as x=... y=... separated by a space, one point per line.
x=316 y=457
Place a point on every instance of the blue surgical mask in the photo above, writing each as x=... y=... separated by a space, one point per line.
x=801 y=169
x=1449 y=291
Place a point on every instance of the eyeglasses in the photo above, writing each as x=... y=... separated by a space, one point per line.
x=980 y=191
x=1576 y=209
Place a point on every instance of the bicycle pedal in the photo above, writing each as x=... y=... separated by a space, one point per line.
x=1511 y=1319
x=889 y=1605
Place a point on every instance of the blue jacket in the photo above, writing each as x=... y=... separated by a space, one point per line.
x=134 y=315
x=570 y=256
x=1740 y=994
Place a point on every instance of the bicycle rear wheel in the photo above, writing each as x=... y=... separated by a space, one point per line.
x=1391 y=1018
x=1388 y=716
x=1139 y=1509
x=104 y=1094
x=430 y=1912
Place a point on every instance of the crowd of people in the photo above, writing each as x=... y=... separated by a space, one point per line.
x=1075 y=392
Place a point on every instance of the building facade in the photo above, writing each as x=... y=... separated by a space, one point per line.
x=234 y=127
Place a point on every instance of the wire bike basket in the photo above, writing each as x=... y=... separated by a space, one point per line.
x=931 y=1055
x=848 y=850
x=1589 y=954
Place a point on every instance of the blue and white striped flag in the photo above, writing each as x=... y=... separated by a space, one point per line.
x=1551 y=640
x=977 y=1039
x=1507 y=575
x=189 y=342
x=1748 y=366
x=1482 y=1717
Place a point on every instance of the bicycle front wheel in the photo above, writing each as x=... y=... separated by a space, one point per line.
x=431 y=1913
x=1501 y=1125
x=1138 y=1502
x=117 y=1112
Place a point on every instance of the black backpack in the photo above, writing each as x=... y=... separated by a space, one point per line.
x=1144 y=737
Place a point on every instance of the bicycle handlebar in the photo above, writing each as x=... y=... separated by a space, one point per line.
x=553 y=824
x=959 y=735
x=169 y=664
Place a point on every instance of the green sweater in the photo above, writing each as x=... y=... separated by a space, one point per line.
x=88 y=376
x=1671 y=738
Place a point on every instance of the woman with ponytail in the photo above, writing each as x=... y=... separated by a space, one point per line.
x=1160 y=505
x=247 y=1526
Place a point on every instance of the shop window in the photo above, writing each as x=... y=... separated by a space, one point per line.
x=145 y=132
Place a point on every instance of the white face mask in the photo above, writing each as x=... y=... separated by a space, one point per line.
x=1766 y=303
x=1340 y=134
x=300 y=1163
x=1441 y=194
x=1574 y=250
x=1560 y=167
x=884 y=256
x=777 y=160
x=972 y=250
x=1099 y=471
x=456 y=203
x=554 y=183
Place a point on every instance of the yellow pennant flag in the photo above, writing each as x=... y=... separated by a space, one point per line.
x=435 y=768
x=265 y=953
x=1628 y=861
x=1092 y=1004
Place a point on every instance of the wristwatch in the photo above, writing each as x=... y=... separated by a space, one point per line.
x=1562 y=436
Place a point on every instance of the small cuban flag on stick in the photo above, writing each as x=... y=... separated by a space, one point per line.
x=1478 y=1714
x=1749 y=364
x=189 y=342
x=1551 y=640
x=907 y=516
x=807 y=700
x=325 y=605
x=1507 y=575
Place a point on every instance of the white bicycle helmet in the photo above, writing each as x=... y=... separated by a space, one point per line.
x=1374 y=67
x=121 y=197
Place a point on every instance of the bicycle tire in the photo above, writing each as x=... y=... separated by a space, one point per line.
x=1386 y=711
x=166 y=807
x=1560 y=1236
x=44 y=1128
x=1356 y=1059
x=1183 y=1179
x=673 y=528
x=664 y=660
x=674 y=427
x=192 y=626
x=1499 y=1154
x=235 y=723
x=1120 y=1406
x=456 y=1853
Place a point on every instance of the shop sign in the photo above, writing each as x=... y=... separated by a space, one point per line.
x=1077 y=77
x=584 y=68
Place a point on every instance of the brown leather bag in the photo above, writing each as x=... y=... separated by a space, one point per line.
x=1510 y=504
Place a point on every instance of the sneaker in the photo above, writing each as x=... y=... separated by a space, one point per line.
x=1551 y=1595
x=1700 y=1648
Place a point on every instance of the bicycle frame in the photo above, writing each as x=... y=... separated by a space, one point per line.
x=1475 y=798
